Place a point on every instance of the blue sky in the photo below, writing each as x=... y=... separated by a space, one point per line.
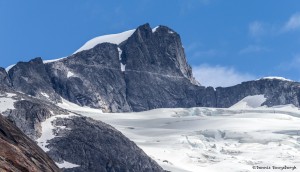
x=226 y=42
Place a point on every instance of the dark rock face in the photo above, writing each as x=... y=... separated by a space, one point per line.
x=31 y=78
x=96 y=146
x=277 y=92
x=152 y=91
x=20 y=154
x=160 y=52
x=156 y=75
x=91 y=78
x=4 y=79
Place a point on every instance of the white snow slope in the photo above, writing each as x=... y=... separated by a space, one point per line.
x=212 y=139
x=250 y=102
x=236 y=139
x=6 y=102
x=113 y=38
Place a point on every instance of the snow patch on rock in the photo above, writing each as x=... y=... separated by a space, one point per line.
x=7 y=102
x=155 y=28
x=66 y=164
x=120 y=58
x=54 y=60
x=70 y=74
x=250 y=102
x=47 y=131
x=74 y=107
x=9 y=67
x=45 y=95
x=123 y=67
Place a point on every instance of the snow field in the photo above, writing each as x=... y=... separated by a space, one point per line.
x=211 y=139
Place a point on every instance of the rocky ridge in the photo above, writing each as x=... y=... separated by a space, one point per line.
x=146 y=71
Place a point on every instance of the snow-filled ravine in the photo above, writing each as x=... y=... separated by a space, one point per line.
x=239 y=138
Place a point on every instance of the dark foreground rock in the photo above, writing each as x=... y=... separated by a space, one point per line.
x=20 y=154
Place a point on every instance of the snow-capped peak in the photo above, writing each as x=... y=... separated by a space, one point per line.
x=277 y=78
x=113 y=38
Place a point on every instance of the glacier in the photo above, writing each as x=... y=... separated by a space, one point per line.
x=211 y=139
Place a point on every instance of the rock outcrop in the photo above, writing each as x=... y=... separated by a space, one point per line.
x=4 y=79
x=32 y=79
x=276 y=91
x=91 y=78
x=96 y=146
x=20 y=154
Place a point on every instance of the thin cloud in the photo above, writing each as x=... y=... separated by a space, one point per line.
x=205 y=53
x=197 y=50
x=253 y=49
x=193 y=46
x=293 y=23
x=292 y=64
x=217 y=76
x=256 y=29
x=188 y=5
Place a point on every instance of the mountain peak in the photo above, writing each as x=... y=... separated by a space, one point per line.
x=145 y=26
x=163 y=29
